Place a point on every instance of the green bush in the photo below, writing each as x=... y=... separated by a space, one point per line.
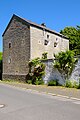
x=65 y=63
x=39 y=82
x=53 y=83
x=72 y=84
x=29 y=81
x=36 y=71
x=68 y=84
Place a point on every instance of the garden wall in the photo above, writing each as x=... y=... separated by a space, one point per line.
x=76 y=72
x=52 y=73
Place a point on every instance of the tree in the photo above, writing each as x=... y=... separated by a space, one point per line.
x=65 y=63
x=74 y=37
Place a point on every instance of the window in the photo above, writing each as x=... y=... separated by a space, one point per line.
x=9 y=45
x=47 y=36
x=56 y=39
x=43 y=32
x=46 y=42
x=55 y=44
x=9 y=59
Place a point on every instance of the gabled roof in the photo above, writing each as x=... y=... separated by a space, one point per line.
x=32 y=24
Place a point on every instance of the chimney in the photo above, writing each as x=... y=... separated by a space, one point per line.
x=43 y=24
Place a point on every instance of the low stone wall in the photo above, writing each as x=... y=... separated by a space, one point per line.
x=21 y=78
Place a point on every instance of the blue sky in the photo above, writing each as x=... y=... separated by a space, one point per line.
x=57 y=14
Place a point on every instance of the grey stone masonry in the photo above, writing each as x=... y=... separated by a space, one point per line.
x=52 y=73
x=16 y=48
x=75 y=76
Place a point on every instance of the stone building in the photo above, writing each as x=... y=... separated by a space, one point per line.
x=24 y=40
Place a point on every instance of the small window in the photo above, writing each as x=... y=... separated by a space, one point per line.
x=47 y=36
x=43 y=32
x=46 y=42
x=55 y=44
x=9 y=45
x=9 y=59
x=56 y=39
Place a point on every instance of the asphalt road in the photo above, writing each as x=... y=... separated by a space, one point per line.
x=21 y=104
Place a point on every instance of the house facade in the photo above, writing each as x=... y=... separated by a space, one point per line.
x=24 y=40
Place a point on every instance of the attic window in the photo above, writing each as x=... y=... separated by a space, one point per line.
x=46 y=42
x=9 y=45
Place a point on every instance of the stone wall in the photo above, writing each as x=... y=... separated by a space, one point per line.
x=16 y=48
x=38 y=37
x=20 y=78
x=76 y=72
x=52 y=73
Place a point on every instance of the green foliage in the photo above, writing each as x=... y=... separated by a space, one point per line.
x=65 y=63
x=68 y=84
x=53 y=83
x=36 y=71
x=44 y=55
x=74 y=37
x=72 y=84
x=29 y=81
x=0 y=55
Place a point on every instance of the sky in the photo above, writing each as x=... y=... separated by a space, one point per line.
x=56 y=14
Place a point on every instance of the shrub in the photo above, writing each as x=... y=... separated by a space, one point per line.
x=36 y=71
x=53 y=83
x=29 y=81
x=68 y=84
x=65 y=62
x=39 y=82
x=71 y=84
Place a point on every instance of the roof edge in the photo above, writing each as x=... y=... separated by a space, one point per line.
x=33 y=24
x=8 y=25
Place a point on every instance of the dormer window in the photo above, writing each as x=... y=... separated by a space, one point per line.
x=9 y=45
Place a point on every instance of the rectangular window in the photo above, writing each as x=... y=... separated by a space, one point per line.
x=9 y=45
x=46 y=42
x=47 y=36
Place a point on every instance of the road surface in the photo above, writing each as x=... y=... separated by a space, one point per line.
x=21 y=104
